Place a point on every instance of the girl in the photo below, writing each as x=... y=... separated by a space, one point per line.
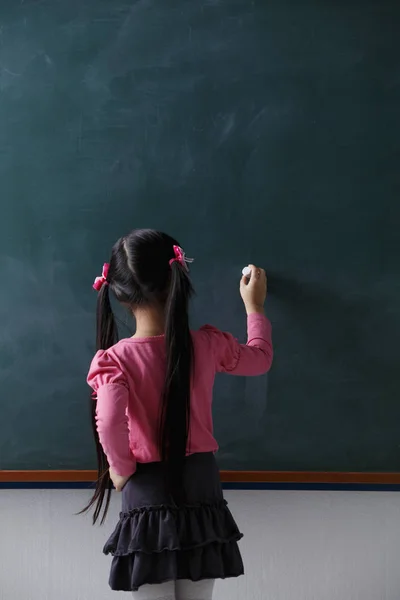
x=153 y=424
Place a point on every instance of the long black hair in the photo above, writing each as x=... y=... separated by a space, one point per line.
x=140 y=275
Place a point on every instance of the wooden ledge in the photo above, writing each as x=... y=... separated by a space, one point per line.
x=298 y=477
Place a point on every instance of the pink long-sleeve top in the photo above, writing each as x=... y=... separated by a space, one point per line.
x=128 y=379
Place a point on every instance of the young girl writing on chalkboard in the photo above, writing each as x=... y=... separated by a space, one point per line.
x=153 y=424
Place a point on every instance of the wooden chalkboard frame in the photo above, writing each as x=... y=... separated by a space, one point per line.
x=227 y=477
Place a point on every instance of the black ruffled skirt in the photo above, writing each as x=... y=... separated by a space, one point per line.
x=156 y=540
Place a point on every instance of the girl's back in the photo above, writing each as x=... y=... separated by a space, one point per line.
x=135 y=369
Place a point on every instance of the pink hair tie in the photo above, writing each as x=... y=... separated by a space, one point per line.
x=181 y=258
x=100 y=281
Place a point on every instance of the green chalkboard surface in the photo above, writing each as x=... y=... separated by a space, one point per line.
x=263 y=131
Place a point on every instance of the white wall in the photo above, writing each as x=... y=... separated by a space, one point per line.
x=297 y=546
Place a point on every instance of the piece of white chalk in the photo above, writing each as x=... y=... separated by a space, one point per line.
x=246 y=272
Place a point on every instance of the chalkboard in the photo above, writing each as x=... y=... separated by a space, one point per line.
x=263 y=131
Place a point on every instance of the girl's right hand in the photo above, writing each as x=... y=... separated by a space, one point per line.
x=254 y=290
x=118 y=480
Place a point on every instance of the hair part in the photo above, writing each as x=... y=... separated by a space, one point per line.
x=140 y=275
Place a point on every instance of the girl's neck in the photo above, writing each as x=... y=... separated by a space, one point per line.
x=150 y=322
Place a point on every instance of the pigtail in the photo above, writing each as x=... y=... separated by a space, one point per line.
x=175 y=410
x=106 y=336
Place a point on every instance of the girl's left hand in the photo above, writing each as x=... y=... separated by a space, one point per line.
x=118 y=481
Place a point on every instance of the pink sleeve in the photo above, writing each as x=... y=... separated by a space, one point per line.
x=109 y=383
x=254 y=358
